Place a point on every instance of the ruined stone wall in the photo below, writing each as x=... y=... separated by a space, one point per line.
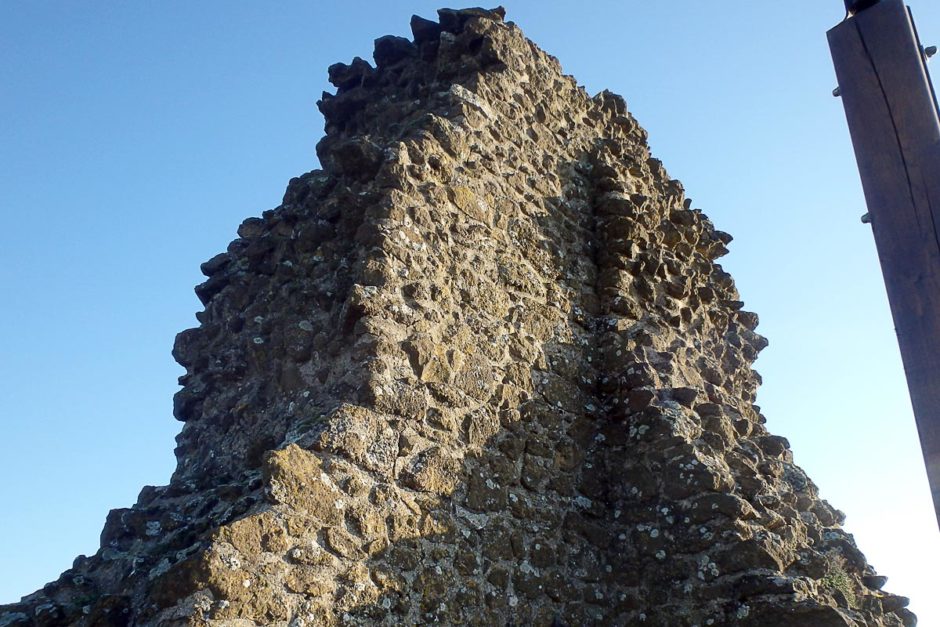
x=481 y=369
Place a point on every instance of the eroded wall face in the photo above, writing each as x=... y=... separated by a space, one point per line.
x=482 y=369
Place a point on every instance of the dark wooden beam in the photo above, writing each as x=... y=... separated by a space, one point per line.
x=892 y=116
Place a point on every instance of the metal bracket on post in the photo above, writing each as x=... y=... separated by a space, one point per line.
x=893 y=120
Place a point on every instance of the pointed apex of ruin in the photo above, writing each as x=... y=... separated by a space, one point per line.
x=453 y=20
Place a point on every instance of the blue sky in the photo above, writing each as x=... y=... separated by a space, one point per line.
x=137 y=136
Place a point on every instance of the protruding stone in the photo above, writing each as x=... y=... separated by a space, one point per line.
x=875 y=582
x=345 y=77
x=894 y=602
x=215 y=265
x=389 y=50
x=425 y=31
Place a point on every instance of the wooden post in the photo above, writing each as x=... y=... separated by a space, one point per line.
x=892 y=116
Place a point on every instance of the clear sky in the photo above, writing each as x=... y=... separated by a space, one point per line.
x=136 y=136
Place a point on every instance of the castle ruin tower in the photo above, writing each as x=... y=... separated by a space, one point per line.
x=481 y=369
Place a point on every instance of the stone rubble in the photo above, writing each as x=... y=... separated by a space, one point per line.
x=481 y=369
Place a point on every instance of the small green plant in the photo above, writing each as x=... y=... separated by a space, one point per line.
x=838 y=579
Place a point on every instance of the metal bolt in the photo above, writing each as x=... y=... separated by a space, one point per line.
x=837 y=91
x=866 y=219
